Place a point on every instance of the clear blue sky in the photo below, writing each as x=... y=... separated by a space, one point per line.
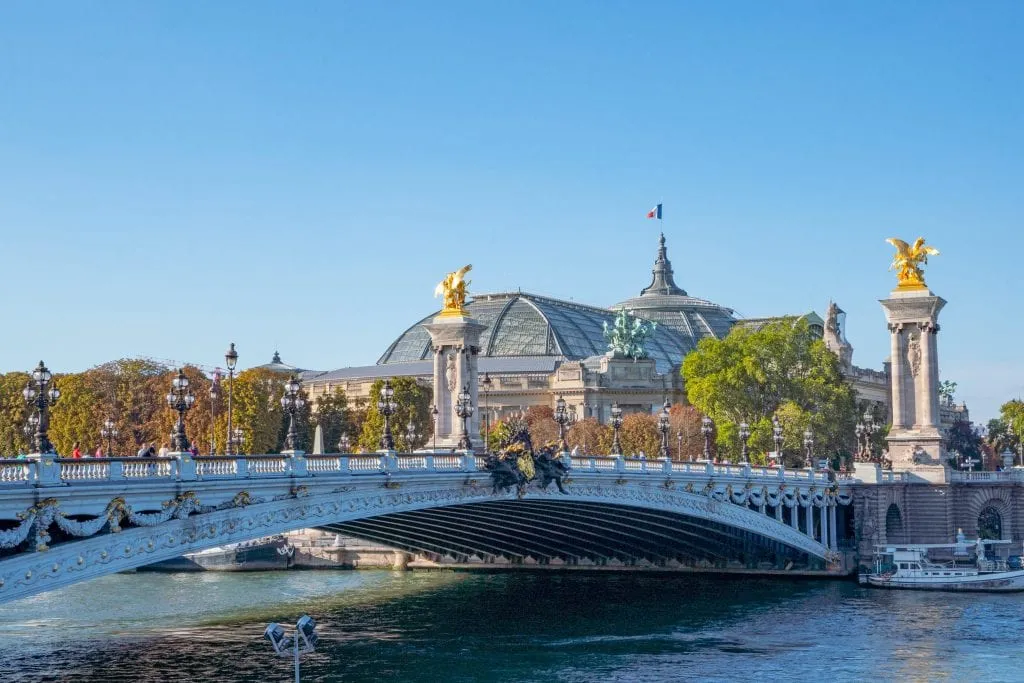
x=178 y=175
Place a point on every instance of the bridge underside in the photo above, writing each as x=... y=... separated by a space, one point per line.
x=572 y=532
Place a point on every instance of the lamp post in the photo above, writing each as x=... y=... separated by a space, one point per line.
x=239 y=439
x=411 y=435
x=304 y=640
x=809 y=447
x=777 y=437
x=744 y=436
x=464 y=409
x=231 y=360
x=43 y=396
x=486 y=383
x=386 y=406
x=663 y=424
x=30 y=427
x=214 y=397
x=707 y=425
x=561 y=418
x=433 y=414
x=616 y=426
x=343 y=442
x=180 y=398
x=291 y=402
x=109 y=432
x=864 y=431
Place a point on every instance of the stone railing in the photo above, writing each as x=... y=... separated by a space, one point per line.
x=48 y=470
x=1016 y=474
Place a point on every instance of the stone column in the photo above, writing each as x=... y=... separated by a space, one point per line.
x=832 y=526
x=823 y=515
x=809 y=519
x=915 y=443
x=897 y=374
x=455 y=340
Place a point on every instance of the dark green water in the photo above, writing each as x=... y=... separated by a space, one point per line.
x=449 y=626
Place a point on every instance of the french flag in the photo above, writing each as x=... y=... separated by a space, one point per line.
x=655 y=212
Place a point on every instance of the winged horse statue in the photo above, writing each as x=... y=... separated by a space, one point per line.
x=908 y=261
x=453 y=289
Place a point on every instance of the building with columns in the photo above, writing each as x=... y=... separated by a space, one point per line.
x=535 y=348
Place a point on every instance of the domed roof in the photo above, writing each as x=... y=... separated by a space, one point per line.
x=667 y=304
x=520 y=324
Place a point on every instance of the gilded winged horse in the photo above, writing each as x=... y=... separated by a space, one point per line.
x=453 y=289
x=908 y=261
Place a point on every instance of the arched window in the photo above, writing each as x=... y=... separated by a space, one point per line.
x=990 y=524
x=893 y=523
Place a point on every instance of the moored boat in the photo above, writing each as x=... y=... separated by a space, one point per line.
x=262 y=554
x=984 y=565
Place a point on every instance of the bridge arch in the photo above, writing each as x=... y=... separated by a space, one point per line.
x=894 y=527
x=990 y=513
x=595 y=523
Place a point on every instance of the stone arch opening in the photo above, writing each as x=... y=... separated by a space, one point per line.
x=893 y=524
x=990 y=523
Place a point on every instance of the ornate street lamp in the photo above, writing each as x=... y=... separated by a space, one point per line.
x=30 y=426
x=387 y=407
x=616 y=426
x=561 y=417
x=109 y=432
x=865 y=430
x=707 y=426
x=214 y=397
x=777 y=437
x=464 y=409
x=663 y=425
x=231 y=360
x=180 y=398
x=292 y=402
x=486 y=384
x=744 y=436
x=433 y=414
x=343 y=443
x=43 y=396
x=809 y=447
x=411 y=435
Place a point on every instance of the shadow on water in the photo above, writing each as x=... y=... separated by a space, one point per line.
x=447 y=626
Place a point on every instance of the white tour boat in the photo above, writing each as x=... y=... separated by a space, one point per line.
x=961 y=566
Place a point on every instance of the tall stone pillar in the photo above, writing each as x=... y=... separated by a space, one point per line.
x=456 y=342
x=915 y=443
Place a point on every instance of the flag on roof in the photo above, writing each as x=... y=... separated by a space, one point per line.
x=655 y=212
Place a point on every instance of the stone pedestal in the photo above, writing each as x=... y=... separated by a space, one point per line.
x=455 y=340
x=914 y=439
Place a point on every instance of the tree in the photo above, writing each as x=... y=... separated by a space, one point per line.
x=540 y=421
x=257 y=410
x=962 y=438
x=752 y=374
x=72 y=419
x=685 y=422
x=639 y=434
x=413 y=401
x=331 y=416
x=13 y=413
x=589 y=436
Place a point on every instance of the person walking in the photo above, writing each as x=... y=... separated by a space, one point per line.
x=193 y=449
x=76 y=452
x=98 y=453
x=164 y=450
x=144 y=450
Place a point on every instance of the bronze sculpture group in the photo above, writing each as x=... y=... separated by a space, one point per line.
x=517 y=464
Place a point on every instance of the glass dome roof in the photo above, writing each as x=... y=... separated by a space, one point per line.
x=521 y=324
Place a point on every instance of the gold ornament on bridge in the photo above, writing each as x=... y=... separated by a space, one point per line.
x=453 y=289
x=908 y=261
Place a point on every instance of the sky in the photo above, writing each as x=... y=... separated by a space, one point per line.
x=175 y=176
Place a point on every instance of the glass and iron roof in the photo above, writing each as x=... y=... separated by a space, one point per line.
x=522 y=324
x=518 y=324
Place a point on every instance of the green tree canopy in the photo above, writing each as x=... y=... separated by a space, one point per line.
x=783 y=368
x=413 y=401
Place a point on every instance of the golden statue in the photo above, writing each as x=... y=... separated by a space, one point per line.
x=908 y=261
x=453 y=289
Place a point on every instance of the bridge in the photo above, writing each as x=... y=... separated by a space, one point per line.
x=63 y=521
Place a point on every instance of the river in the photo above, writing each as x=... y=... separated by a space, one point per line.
x=454 y=626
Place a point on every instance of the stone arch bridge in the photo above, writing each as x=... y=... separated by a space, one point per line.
x=64 y=521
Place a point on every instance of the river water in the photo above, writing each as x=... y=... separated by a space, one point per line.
x=515 y=626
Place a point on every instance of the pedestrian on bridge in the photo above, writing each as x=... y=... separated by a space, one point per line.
x=76 y=452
